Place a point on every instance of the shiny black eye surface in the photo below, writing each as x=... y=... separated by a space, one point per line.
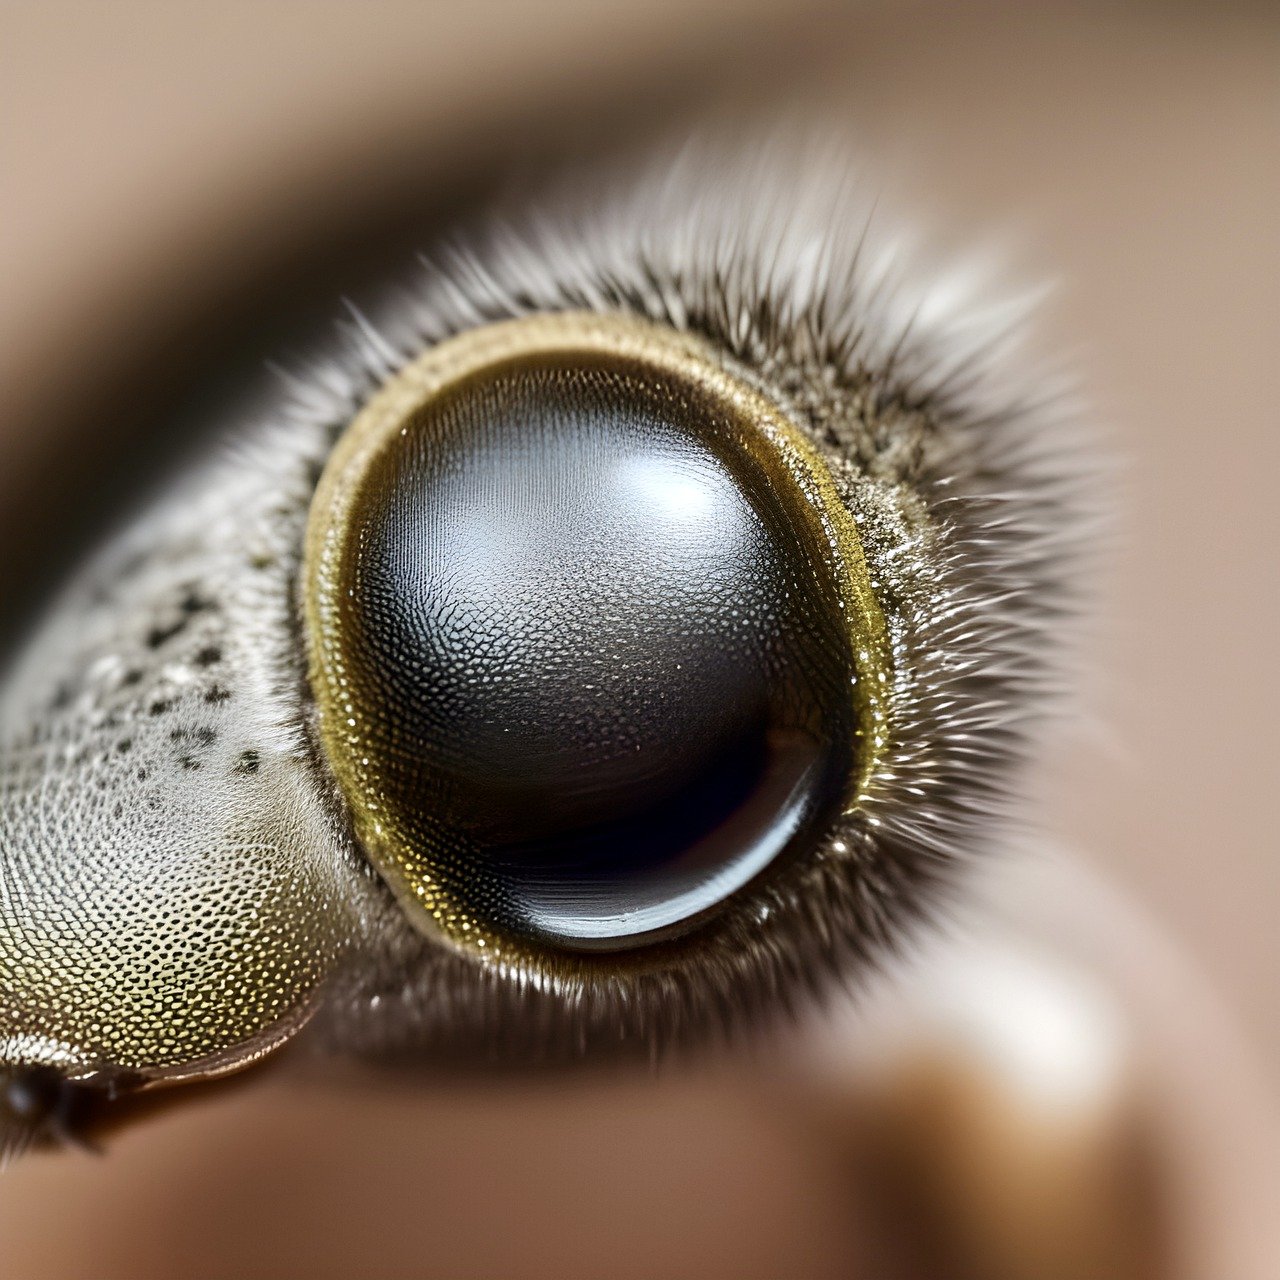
x=598 y=649
x=590 y=645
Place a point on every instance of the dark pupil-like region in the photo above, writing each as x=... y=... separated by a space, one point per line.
x=604 y=672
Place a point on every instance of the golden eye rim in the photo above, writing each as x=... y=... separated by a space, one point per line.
x=787 y=450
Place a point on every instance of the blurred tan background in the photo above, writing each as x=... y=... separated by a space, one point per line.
x=170 y=171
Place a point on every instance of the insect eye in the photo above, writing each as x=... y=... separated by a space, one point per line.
x=591 y=636
x=635 y=625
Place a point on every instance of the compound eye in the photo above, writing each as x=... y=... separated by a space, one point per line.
x=591 y=638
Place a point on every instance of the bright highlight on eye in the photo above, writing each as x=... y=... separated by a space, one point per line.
x=591 y=635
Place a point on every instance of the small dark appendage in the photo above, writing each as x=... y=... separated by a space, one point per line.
x=38 y=1108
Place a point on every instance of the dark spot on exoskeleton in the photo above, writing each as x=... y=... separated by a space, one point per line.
x=201 y=738
x=209 y=655
x=249 y=762
x=124 y=745
x=193 y=602
x=261 y=562
x=61 y=696
x=216 y=694
x=160 y=706
x=130 y=677
x=159 y=635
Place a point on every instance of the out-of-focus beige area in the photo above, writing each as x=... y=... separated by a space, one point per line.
x=154 y=155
